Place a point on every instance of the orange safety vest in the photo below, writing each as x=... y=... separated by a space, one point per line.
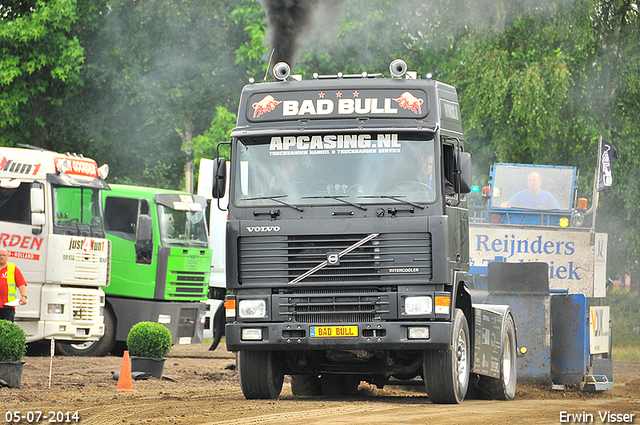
x=11 y=282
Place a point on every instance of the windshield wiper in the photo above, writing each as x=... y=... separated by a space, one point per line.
x=274 y=198
x=395 y=198
x=337 y=198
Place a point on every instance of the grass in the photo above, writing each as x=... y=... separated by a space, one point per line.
x=625 y=323
x=620 y=352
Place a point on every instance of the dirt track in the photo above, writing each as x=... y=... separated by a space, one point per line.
x=205 y=392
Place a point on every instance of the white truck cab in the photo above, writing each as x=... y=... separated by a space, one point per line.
x=51 y=224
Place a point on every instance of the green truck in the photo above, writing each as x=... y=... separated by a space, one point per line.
x=159 y=266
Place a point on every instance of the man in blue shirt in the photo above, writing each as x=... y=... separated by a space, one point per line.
x=534 y=197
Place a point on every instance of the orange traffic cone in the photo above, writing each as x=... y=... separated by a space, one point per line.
x=124 y=380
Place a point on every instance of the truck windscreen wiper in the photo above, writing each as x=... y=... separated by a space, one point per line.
x=395 y=198
x=274 y=198
x=337 y=198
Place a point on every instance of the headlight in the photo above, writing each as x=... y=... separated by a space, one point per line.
x=55 y=308
x=418 y=305
x=252 y=309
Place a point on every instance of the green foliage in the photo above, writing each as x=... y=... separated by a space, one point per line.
x=13 y=342
x=149 y=339
x=625 y=317
x=39 y=55
x=204 y=146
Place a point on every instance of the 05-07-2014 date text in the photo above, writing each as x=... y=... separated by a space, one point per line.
x=16 y=416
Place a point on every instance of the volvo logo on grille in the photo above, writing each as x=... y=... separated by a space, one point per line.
x=333 y=258
x=263 y=229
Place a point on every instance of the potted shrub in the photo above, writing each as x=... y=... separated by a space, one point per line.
x=13 y=346
x=148 y=344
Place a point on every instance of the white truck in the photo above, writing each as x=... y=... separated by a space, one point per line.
x=217 y=222
x=51 y=224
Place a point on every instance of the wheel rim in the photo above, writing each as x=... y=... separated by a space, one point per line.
x=506 y=359
x=461 y=356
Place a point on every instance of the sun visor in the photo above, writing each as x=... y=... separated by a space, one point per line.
x=65 y=180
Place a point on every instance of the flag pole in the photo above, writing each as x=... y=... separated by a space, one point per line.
x=594 y=199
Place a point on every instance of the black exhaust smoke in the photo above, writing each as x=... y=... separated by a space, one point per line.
x=288 y=21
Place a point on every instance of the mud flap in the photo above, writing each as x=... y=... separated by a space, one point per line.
x=489 y=331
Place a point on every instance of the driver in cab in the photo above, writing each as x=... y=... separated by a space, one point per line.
x=425 y=175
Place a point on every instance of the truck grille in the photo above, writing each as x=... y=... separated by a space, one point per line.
x=187 y=285
x=387 y=258
x=84 y=307
x=326 y=306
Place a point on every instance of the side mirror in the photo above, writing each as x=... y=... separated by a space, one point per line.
x=37 y=208
x=37 y=199
x=464 y=171
x=219 y=178
x=144 y=230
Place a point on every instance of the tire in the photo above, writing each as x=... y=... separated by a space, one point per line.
x=306 y=385
x=339 y=385
x=218 y=327
x=503 y=388
x=260 y=375
x=99 y=348
x=446 y=372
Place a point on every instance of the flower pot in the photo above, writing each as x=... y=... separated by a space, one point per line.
x=149 y=365
x=11 y=373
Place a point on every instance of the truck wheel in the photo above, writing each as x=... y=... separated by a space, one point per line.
x=218 y=327
x=306 y=385
x=260 y=375
x=503 y=388
x=339 y=385
x=98 y=348
x=446 y=372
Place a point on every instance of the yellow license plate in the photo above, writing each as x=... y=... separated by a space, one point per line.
x=333 y=331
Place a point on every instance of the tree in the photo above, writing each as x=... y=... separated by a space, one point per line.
x=41 y=61
x=155 y=74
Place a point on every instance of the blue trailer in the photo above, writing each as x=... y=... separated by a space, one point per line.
x=528 y=250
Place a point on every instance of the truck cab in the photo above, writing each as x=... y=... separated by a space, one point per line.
x=347 y=239
x=159 y=267
x=52 y=225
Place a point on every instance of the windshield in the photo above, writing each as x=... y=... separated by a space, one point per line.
x=335 y=169
x=182 y=228
x=77 y=211
x=532 y=187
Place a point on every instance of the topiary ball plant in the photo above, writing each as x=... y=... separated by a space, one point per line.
x=149 y=339
x=13 y=342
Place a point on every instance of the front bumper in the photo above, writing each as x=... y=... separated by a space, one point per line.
x=370 y=336
x=66 y=331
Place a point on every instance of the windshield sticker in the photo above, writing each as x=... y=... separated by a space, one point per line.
x=332 y=144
